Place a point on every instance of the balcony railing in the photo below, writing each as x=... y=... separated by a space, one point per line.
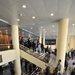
x=5 y=47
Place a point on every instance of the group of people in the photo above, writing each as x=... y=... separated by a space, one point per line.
x=40 y=48
x=11 y=69
x=32 y=44
x=69 y=64
x=30 y=68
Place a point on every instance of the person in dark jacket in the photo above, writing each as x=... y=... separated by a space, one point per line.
x=47 y=70
x=1 y=70
x=34 y=46
x=12 y=68
x=72 y=53
x=30 y=68
x=42 y=47
x=22 y=41
x=66 y=64
x=26 y=66
x=73 y=72
x=29 y=43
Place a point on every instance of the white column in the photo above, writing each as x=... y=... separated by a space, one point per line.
x=15 y=41
x=44 y=38
x=62 y=40
x=68 y=44
x=29 y=35
x=57 y=42
x=40 y=36
x=72 y=42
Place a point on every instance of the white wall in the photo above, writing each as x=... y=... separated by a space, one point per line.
x=7 y=56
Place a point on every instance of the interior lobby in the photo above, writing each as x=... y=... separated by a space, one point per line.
x=50 y=24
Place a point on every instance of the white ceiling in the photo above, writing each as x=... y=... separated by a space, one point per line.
x=41 y=9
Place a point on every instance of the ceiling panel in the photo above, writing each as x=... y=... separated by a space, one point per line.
x=63 y=8
x=72 y=12
x=41 y=9
x=51 y=7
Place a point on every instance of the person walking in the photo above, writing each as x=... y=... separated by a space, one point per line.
x=1 y=70
x=47 y=70
x=11 y=68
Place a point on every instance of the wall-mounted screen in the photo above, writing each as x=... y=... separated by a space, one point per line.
x=50 y=41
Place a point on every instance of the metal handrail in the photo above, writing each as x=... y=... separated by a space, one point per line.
x=37 y=55
x=5 y=44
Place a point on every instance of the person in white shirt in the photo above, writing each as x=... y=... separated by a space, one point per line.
x=39 y=48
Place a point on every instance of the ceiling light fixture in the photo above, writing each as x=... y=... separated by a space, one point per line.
x=33 y=17
x=41 y=27
x=20 y=14
x=52 y=14
x=73 y=24
x=52 y=25
x=23 y=6
x=6 y=30
x=31 y=28
x=18 y=19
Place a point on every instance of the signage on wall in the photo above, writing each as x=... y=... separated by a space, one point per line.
x=50 y=41
x=0 y=58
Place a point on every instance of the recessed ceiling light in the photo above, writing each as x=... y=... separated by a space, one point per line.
x=52 y=14
x=6 y=30
x=23 y=6
x=31 y=28
x=52 y=25
x=41 y=27
x=20 y=14
x=73 y=24
x=33 y=17
x=18 y=19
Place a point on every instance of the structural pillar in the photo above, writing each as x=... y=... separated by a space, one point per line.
x=68 y=44
x=44 y=38
x=29 y=35
x=15 y=41
x=62 y=40
x=40 y=36
x=57 y=43
x=72 y=42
